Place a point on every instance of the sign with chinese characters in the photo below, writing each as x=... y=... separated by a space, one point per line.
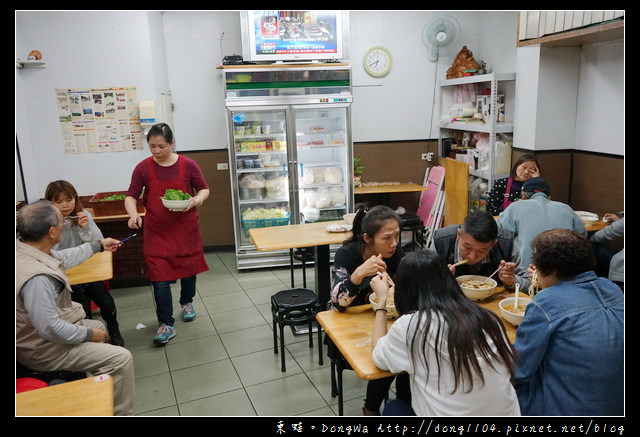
x=99 y=119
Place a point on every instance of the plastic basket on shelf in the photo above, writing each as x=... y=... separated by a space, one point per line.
x=263 y=223
x=102 y=208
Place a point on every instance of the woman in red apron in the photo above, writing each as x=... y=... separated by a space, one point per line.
x=172 y=242
x=506 y=191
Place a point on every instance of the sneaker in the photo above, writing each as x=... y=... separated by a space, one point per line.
x=188 y=312
x=164 y=334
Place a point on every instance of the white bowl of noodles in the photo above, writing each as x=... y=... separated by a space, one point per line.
x=391 y=305
x=477 y=287
x=510 y=313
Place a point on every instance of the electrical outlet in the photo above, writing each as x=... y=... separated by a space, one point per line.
x=425 y=156
x=223 y=166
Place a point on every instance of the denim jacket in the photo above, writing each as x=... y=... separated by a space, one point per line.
x=570 y=349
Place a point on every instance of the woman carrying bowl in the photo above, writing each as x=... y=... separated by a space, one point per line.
x=172 y=241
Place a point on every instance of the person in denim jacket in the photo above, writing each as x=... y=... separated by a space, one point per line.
x=570 y=345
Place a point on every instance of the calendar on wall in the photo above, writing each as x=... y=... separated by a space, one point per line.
x=94 y=120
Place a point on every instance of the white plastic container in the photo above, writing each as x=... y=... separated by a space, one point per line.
x=503 y=157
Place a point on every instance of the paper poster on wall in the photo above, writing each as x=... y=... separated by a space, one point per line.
x=99 y=119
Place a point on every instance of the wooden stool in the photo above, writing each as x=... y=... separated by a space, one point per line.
x=296 y=306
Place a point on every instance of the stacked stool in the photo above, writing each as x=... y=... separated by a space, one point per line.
x=304 y=255
x=296 y=306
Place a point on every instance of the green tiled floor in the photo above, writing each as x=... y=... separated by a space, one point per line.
x=222 y=363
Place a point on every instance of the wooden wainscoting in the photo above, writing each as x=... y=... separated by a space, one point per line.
x=216 y=215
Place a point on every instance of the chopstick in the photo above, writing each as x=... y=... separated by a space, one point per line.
x=71 y=217
x=464 y=261
x=389 y=280
x=497 y=270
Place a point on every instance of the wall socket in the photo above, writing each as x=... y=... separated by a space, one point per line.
x=223 y=166
x=427 y=156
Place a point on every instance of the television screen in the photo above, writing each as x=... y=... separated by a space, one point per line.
x=269 y=36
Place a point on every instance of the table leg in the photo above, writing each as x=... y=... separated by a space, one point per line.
x=323 y=275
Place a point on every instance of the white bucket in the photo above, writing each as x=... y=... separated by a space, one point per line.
x=503 y=157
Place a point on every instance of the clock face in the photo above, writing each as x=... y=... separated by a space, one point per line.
x=377 y=61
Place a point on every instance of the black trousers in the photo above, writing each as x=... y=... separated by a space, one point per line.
x=377 y=389
x=98 y=293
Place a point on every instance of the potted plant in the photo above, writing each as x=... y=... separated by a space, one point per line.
x=357 y=172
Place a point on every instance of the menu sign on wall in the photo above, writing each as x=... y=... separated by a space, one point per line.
x=99 y=119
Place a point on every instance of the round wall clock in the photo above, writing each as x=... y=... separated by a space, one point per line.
x=377 y=61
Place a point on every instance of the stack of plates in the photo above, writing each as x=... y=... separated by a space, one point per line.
x=587 y=216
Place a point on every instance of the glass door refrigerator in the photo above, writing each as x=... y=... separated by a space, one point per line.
x=290 y=150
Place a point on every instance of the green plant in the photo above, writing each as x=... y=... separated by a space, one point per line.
x=357 y=168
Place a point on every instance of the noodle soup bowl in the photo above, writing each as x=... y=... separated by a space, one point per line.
x=507 y=312
x=392 y=313
x=477 y=287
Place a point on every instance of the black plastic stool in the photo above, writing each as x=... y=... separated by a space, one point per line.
x=304 y=255
x=296 y=306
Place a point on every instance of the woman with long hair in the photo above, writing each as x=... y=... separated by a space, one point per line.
x=374 y=247
x=456 y=353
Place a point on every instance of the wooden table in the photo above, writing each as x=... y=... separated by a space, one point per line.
x=304 y=235
x=91 y=396
x=97 y=268
x=403 y=187
x=385 y=191
x=352 y=329
x=594 y=226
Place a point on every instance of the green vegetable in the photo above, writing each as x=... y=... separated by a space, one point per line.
x=172 y=194
x=113 y=197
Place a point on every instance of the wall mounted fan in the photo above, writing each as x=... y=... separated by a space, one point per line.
x=439 y=32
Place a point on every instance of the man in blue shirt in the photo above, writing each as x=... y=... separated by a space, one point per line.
x=538 y=213
x=570 y=345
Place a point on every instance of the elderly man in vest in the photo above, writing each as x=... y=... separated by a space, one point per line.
x=52 y=332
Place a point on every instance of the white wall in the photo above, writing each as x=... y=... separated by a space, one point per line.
x=571 y=98
x=177 y=53
x=81 y=49
x=600 y=106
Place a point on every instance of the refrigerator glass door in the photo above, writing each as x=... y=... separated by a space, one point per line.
x=260 y=178
x=323 y=161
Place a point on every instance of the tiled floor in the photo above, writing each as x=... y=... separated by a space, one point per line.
x=222 y=363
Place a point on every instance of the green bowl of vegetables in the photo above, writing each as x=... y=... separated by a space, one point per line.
x=175 y=200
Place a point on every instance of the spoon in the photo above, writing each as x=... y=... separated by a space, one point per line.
x=515 y=301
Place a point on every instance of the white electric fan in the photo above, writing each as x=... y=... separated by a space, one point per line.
x=439 y=32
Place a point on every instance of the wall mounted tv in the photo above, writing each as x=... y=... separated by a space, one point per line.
x=294 y=36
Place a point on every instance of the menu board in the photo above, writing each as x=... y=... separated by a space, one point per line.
x=99 y=119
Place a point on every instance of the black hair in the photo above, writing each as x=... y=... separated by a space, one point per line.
x=59 y=188
x=441 y=312
x=35 y=219
x=524 y=158
x=481 y=226
x=370 y=220
x=161 y=129
x=563 y=252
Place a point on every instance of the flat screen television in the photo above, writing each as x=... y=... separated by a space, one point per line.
x=294 y=36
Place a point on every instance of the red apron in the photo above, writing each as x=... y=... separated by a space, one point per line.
x=172 y=241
